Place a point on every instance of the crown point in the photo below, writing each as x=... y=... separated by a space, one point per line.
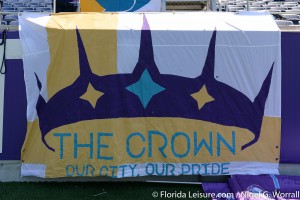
x=145 y=23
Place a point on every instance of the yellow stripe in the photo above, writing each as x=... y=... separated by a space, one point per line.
x=90 y=6
x=99 y=35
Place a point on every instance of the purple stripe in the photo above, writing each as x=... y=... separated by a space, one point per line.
x=14 y=120
x=290 y=136
x=11 y=35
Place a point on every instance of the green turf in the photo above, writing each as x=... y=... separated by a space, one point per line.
x=94 y=190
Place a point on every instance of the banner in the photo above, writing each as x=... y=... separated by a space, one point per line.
x=120 y=6
x=128 y=94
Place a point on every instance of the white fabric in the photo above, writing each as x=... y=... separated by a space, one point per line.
x=253 y=168
x=246 y=47
x=37 y=170
x=34 y=23
x=250 y=168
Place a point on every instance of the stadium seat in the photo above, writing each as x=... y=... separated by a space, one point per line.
x=8 y=9
x=235 y=8
x=25 y=9
x=16 y=23
x=11 y=17
x=290 y=16
x=283 y=22
x=17 y=4
x=258 y=3
x=43 y=9
x=254 y=8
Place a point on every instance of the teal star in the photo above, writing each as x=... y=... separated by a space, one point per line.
x=145 y=88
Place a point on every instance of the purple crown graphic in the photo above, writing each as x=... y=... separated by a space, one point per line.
x=147 y=93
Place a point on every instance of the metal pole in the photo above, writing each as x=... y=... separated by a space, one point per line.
x=54 y=6
x=248 y=7
x=163 y=5
x=220 y=6
x=208 y=2
x=213 y=5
